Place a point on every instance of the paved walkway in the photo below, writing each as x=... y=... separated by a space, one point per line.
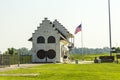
x=13 y=67
x=82 y=62
x=16 y=66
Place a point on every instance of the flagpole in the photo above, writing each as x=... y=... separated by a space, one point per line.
x=78 y=29
x=82 y=43
x=110 y=27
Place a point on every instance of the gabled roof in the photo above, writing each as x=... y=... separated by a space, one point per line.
x=60 y=28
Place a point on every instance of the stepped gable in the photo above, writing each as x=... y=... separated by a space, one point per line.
x=56 y=26
x=44 y=22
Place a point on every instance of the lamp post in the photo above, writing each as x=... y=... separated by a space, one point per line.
x=110 y=28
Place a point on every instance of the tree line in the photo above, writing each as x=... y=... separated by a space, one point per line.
x=20 y=51
x=24 y=51
x=90 y=50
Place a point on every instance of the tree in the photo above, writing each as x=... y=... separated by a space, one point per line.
x=23 y=51
x=11 y=51
x=115 y=49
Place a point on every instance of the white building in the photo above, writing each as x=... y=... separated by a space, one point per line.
x=51 y=42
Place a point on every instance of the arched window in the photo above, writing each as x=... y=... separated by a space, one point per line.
x=41 y=39
x=51 y=54
x=51 y=39
x=41 y=54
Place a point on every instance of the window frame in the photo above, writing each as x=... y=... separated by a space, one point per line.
x=51 y=39
x=40 y=40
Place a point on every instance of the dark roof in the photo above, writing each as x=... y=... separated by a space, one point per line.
x=61 y=33
x=30 y=39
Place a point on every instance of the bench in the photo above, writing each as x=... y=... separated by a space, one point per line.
x=106 y=58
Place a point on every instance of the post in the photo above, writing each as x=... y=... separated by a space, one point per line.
x=110 y=27
x=18 y=60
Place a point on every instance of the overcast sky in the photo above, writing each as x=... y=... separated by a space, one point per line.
x=19 y=19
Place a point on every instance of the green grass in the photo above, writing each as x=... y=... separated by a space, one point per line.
x=104 y=71
x=87 y=56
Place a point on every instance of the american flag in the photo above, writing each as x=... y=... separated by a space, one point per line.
x=78 y=29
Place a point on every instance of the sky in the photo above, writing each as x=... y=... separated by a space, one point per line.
x=20 y=18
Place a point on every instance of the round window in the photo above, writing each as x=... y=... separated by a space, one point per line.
x=51 y=54
x=41 y=54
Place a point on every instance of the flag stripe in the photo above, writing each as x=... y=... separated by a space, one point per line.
x=78 y=29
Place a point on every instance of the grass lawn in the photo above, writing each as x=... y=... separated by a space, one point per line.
x=104 y=71
x=88 y=56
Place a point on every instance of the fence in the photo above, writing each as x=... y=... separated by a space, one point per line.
x=7 y=60
x=4 y=60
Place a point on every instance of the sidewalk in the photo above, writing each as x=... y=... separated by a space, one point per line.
x=16 y=66
x=83 y=62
